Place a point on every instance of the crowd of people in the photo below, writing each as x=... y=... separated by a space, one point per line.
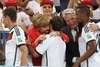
x=39 y=36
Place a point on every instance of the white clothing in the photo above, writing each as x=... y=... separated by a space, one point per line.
x=98 y=24
x=56 y=2
x=29 y=60
x=53 y=51
x=0 y=14
x=0 y=10
x=36 y=7
x=87 y=36
x=96 y=14
x=73 y=33
x=12 y=52
x=23 y=17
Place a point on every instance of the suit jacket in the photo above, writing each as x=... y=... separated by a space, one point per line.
x=71 y=47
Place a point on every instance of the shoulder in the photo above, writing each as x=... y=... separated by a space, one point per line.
x=86 y=34
x=65 y=29
x=18 y=30
x=64 y=37
x=85 y=28
x=31 y=29
x=50 y=38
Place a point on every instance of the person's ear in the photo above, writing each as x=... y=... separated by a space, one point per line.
x=8 y=18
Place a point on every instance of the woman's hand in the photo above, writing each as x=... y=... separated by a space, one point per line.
x=41 y=37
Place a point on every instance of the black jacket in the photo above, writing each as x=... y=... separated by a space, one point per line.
x=71 y=47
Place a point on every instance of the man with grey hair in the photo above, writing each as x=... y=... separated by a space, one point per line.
x=72 y=51
x=67 y=11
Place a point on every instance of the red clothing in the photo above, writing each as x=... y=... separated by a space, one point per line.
x=64 y=37
x=33 y=35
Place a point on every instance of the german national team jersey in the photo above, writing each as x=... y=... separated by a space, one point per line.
x=87 y=36
x=15 y=39
x=53 y=51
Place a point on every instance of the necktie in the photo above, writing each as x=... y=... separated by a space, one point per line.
x=76 y=35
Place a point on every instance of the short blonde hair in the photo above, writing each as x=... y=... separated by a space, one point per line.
x=69 y=11
x=41 y=20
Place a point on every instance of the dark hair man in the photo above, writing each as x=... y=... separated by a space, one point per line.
x=16 y=50
x=87 y=40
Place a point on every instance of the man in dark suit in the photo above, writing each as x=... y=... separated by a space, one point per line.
x=72 y=51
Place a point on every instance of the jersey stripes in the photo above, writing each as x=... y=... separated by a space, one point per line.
x=86 y=29
x=17 y=31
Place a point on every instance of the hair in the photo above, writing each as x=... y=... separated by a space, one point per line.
x=57 y=23
x=1 y=5
x=41 y=20
x=84 y=9
x=69 y=11
x=11 y=13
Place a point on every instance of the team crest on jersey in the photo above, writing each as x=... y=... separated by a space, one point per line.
x=19 y=40
x=88 y=36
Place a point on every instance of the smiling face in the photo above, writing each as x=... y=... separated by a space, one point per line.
x=47 y=10
x=71 y=20
x=43 y=30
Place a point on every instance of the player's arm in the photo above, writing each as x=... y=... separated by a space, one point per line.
x=32 y=48
x=24 y=51
x=21 y=44
x=87 y=54
x=90 y=39
x=33 y=51
x=41 y=48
